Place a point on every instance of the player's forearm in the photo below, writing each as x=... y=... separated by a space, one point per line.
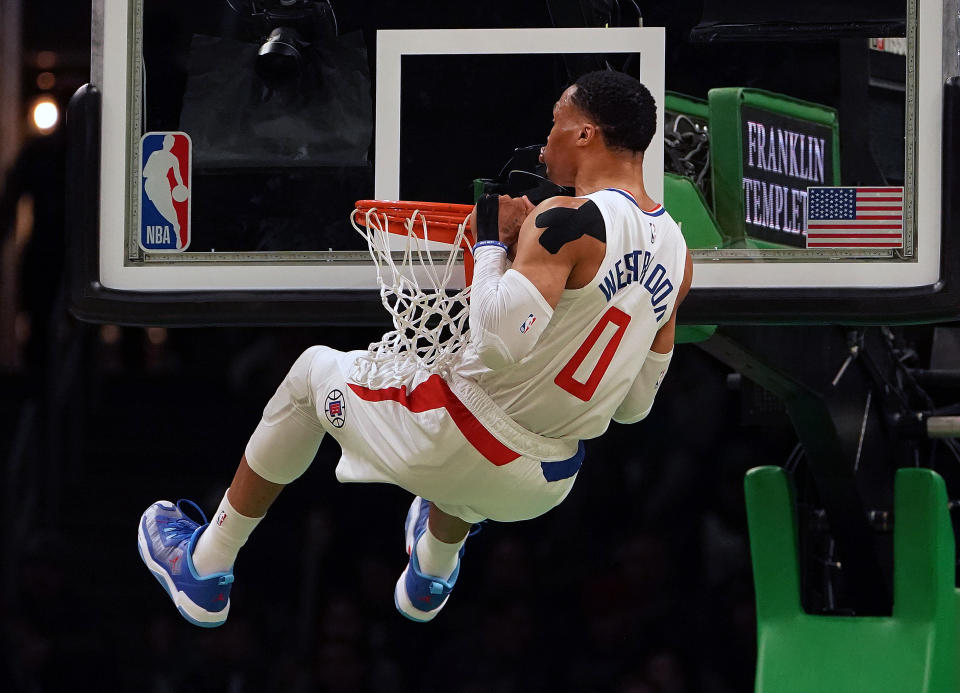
x=507 y=312
x=639 y=400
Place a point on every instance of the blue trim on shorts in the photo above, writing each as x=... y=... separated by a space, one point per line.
x=564 y=469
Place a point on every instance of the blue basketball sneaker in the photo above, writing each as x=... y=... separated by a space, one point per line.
x=417 y=596
x=166 y=538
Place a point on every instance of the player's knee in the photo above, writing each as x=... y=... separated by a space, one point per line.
x=295 y=392
x=298 y=379
x=286 y=440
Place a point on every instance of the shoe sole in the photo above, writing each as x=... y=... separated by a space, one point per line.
x=406 y=607
x=189 y=609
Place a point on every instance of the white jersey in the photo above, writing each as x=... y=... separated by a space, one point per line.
x=501 y=444
x=580 y=370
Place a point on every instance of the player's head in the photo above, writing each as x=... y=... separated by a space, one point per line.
x=168 y=142
x=601 y=109
x=621 y=106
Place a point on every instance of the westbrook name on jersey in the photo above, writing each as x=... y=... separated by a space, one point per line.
x=632 y=269
x=582 y=366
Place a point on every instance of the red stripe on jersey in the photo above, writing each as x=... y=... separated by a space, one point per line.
x=434 y=393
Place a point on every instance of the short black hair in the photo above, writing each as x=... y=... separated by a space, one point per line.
x=622 y=107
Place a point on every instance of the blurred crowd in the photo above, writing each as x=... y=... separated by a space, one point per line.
x=638 y=583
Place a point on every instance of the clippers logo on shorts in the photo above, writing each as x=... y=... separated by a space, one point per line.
x=165 y=179
x=528 y=323
x=336 y=409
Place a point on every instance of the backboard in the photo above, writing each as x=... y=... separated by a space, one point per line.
x=268 y=120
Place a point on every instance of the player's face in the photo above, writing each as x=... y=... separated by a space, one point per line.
x=559 y=154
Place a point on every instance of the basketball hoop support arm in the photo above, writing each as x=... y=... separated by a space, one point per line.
x=830 y=388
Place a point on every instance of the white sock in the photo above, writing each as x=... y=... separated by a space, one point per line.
x=437 y=558
x=218 y=546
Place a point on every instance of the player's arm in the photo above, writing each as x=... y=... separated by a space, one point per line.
x=510 y=308
x=639 y=400
x=554 y=240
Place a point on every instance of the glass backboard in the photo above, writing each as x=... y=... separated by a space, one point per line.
x=802 y=149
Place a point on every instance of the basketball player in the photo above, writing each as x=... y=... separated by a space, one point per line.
x=578 y=331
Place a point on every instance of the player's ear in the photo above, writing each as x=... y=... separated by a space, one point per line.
x=588 y=131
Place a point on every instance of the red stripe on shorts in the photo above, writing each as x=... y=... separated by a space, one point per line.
x=434 y=393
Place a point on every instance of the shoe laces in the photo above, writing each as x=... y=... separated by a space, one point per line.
x=178 y=530
x=183 y=527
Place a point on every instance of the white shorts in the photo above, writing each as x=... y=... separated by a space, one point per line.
x=473 y=463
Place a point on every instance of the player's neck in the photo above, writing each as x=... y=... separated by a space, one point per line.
x=624 y=173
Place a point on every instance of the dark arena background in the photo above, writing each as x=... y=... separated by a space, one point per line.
x=643 y=579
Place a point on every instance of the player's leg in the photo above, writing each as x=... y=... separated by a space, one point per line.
x=474 y=489
x=279 y=451
x=435 y=541
x=193 y=560
x=249 y=493
x=438 y=548
x=447 y=528
x=243 y=506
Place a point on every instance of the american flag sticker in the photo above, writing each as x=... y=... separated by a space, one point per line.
x=855 y=217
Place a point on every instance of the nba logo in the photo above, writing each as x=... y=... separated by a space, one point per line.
x=165 y=179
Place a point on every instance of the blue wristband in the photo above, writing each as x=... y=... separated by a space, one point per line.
x=485 y=243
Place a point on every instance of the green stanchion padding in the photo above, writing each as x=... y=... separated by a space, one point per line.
x=688 y=105
x=689 y=209
x=686 y=204
x=913 y=650
x=690 y=334
x=727 y=164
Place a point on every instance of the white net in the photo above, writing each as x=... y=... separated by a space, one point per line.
x=430 y=323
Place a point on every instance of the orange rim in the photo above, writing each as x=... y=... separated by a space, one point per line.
x=442 y=219
x=411 y=205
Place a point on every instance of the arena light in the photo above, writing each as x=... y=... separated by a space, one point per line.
x=45 y=114
x=46 y=80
